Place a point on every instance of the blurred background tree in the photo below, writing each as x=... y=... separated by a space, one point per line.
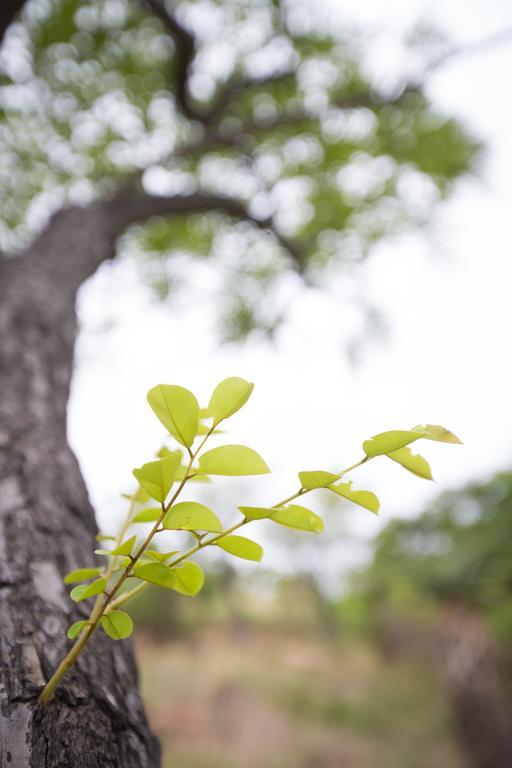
x=248 y=132
x=442 y=583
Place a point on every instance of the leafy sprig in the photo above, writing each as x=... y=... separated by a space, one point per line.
x=163 y=480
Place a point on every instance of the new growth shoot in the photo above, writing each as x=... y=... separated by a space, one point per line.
x=136 y=562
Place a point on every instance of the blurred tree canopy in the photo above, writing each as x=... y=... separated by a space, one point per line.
x=267 y=109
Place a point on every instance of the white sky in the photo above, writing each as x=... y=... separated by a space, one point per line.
x=446 y=297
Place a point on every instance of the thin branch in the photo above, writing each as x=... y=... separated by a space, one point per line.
x=9 y=9
x=185 y=51
x=476 y=46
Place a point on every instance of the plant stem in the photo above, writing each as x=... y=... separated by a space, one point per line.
x=127 y=596
x=103 y=601
x=106 y=600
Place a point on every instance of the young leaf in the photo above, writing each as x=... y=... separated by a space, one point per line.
x=140 y=496
x=295 y=516
x=88 y=590
x=189 y=578
x=387 y=442
x=75 y=629
x=147 y=515
x=194 y=476
x=126 y=547
x=413 y=462
x=436 y=432
x=157 y=477
x=199 y=477
x=317 y=479
x=204 y=429
x=177 y=409
x=102 y=537
x=192 y=516
x=241 y=547
x=228 y=397
x=257 y=513
x=156 y=573
x=160 y=557
x=117 y=624
x=232 y=460
x=121 y=561
x=165 y=453
x=365 y=499
x=81 y=574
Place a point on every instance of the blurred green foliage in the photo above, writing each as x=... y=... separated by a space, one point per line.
x=457 y=552
x=284 y=117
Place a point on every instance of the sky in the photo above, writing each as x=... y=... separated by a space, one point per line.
x=445 y=294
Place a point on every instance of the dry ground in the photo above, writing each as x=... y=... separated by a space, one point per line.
x=264 y=698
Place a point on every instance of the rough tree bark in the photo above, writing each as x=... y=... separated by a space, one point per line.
x=47 y=523
x=470 y=665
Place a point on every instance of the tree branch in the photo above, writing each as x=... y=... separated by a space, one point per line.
x=213 y=139
x=476 y=46
x=130 y=205
x=185 y=51
x=9 y=9
x=236 y=87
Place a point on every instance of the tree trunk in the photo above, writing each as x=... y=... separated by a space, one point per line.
x=470 y=665
x=96 y=719
x=47 y=524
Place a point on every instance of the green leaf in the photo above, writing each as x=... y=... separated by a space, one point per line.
x=365 y=499
x=387 y=442
x=81 y=574
x=413 y=462
x=166 y=453
x=240 y=546
x=160 y=557
x=147 y=515
x=117 y=624
x=232 y=460
x=177 y=409
x=75 y=629
x=140 y=496
x=126 y=547
x=257 y=513
x=228 y=397
x=156 y=573
x=295 y=516
x=189 y=578
x=157 y=477
x=199 y=478
x=122 y=561
x=192 y=516
x=88 y=590
x=195 y=475
x=102 y=537
x=204 y=429
x=437 y=433
x=317 y=479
